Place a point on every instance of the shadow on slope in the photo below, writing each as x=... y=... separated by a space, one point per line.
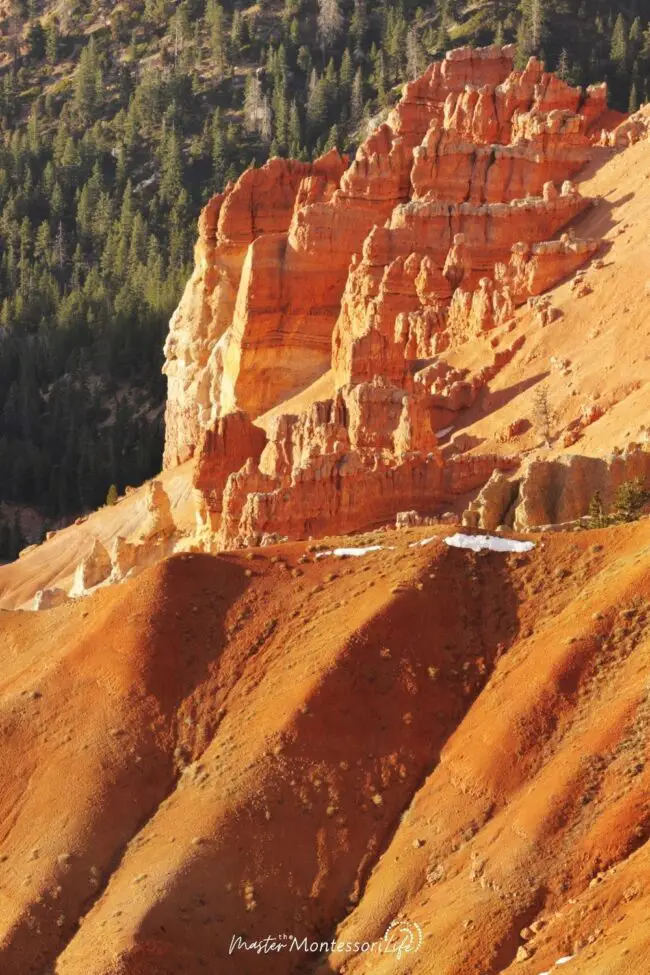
x=91 y=695
x=345 y=711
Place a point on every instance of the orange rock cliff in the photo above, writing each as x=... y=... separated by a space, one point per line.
x=361 y=278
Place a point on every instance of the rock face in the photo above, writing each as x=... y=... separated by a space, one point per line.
x=555 y=492
x=225 y=448
x=633 y=129
x=159 y=521
x=49 y=598
x=439 y=228
x=93 y=570
x=491 y=507
x=351 y=461
x=232 y=314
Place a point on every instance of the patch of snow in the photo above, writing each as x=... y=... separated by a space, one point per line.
x=424 y=541
x=342 y=553
x=491 y=543
x=356 y=552
x=565 y=960
x=444 y=432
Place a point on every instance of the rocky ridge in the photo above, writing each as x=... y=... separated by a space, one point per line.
x=444 y=223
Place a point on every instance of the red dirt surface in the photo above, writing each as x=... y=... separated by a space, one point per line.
x=255 y=744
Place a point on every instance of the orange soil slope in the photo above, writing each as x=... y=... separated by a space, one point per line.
x=276 y=743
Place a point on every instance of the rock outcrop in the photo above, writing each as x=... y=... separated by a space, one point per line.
x=441 y=226
x=555 y=492
x=94 y=569
x=493 y=504
x=223 y=449
x=159 y=521
x=232 y=314
x=49 y=598
x=346 y=463
x=634 y=129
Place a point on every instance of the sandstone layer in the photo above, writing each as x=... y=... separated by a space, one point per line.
x=439 y=229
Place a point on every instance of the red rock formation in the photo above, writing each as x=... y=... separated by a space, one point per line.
x=347 y=463
x=261 y=202
x=223 y=448
x=439 y=228
x=633 y=129
x=265 y=305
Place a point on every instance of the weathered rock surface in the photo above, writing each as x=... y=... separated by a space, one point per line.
x=494 y=501
x=413 y=519
x=258 y=207
x=553 y=492
x=124 y=557
x=159 y=521
x=95 y=568
x=223 y=449
x=438 y=230
x=632 y=130
x=49 y=598
x=346 y=463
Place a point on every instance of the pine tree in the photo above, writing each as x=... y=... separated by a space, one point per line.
x=316 y=103
x=171 y=181
x=414 y=54
x=219 y=156
x=618 y=47
x=88 y=83
x=537 y=14
x=544 y=413
x=238 y=33
x=332 y=139
x=265 y=121
x=562 y=69
x=359 y=27
x=295 y=130
x=330 y=22
x=52 y=41
x=597 y=516
x=252 y=103
x=631 y=497
x=356 y=99
x=346 y=73
x=112 y=495
x=215 y=19
x=633 y=104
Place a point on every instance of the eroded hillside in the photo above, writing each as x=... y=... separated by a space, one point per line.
x=287 y=743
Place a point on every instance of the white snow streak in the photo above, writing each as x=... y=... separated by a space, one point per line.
x=490 y=543
x=342 y=553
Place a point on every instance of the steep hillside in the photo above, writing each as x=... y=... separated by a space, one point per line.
x=287 y=743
